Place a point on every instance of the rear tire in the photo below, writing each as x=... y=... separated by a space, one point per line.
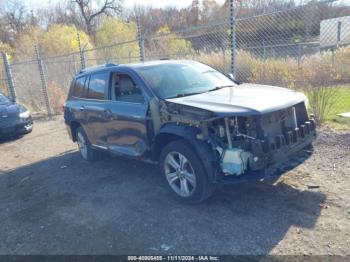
x=184 y=173
x=84 y=145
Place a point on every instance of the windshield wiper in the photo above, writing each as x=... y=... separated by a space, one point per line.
x=196 y=93
x=185 y=94
x=219 y=87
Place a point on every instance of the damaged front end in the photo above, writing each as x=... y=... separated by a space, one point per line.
x=245 y=144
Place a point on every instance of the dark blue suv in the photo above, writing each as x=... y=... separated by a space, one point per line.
x=201 y=126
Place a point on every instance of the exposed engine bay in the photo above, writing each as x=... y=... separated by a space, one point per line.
x=245 y=143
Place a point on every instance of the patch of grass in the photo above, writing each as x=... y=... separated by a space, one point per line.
x=342 y=102
x=338 y=101
x=341 y=105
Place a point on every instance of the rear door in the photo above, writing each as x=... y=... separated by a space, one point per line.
x=76 y=102
x=95 y=106
x=127 y=111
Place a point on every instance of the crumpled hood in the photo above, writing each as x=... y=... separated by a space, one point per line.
x=244 y=99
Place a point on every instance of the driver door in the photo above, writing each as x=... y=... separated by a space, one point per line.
x=127 y=110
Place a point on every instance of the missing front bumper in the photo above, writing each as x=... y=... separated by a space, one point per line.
x=274 y=158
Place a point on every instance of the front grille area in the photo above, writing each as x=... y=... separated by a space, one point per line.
x=271 y=149
x=291 y=136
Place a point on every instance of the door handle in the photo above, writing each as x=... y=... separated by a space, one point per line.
x=82 y=108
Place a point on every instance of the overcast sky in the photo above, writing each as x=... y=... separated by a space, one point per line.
x=163 y=3
x=33 y=4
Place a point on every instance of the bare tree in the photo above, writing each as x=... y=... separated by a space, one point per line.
x=60 y=13
x=91 y=10
x=16 y=15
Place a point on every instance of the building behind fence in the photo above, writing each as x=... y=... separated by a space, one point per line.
x=263 y=49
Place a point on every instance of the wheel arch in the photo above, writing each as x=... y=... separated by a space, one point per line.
x=74 y=125
x=171 y=132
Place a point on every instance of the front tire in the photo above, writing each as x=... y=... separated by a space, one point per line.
x=184 y=173
x=84 y=145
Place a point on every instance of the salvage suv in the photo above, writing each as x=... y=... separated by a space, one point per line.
x=201 y=127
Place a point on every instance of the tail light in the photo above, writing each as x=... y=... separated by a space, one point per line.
x=63 y=107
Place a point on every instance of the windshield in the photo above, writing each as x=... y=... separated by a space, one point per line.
x=175 y=80
x=3 y=99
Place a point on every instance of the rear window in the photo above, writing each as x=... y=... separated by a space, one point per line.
x=97 y=85
x=79 y=89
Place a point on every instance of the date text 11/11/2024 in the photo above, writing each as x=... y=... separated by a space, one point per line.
x=173 y=258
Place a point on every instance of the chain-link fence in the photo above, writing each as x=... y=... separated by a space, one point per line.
x=305 y=47
x=27 y=82
x=208 y=44
x=119 y=53
x=302 y=47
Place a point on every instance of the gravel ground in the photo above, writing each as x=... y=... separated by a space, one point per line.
x=52 y=202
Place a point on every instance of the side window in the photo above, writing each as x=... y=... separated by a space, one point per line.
x=125 y=89
x=79 y=87
x=97 y=85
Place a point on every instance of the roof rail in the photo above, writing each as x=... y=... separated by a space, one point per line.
x=110 y=64
x=97 y=67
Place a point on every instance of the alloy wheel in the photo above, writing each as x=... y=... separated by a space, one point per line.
x=180 y=174
x=82 y=145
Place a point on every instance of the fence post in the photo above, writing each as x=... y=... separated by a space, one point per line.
x=233 y=38
x=333 y=56
x=81 y=52
x=224 y=59
x=74 y=65
x=299 y=53
x=9 y=78
x=141 y=40
x=43 y=81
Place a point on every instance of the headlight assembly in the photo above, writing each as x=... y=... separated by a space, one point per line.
x=24 y=114
x=306 y=103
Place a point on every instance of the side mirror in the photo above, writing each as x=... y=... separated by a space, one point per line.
x=230 y=75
